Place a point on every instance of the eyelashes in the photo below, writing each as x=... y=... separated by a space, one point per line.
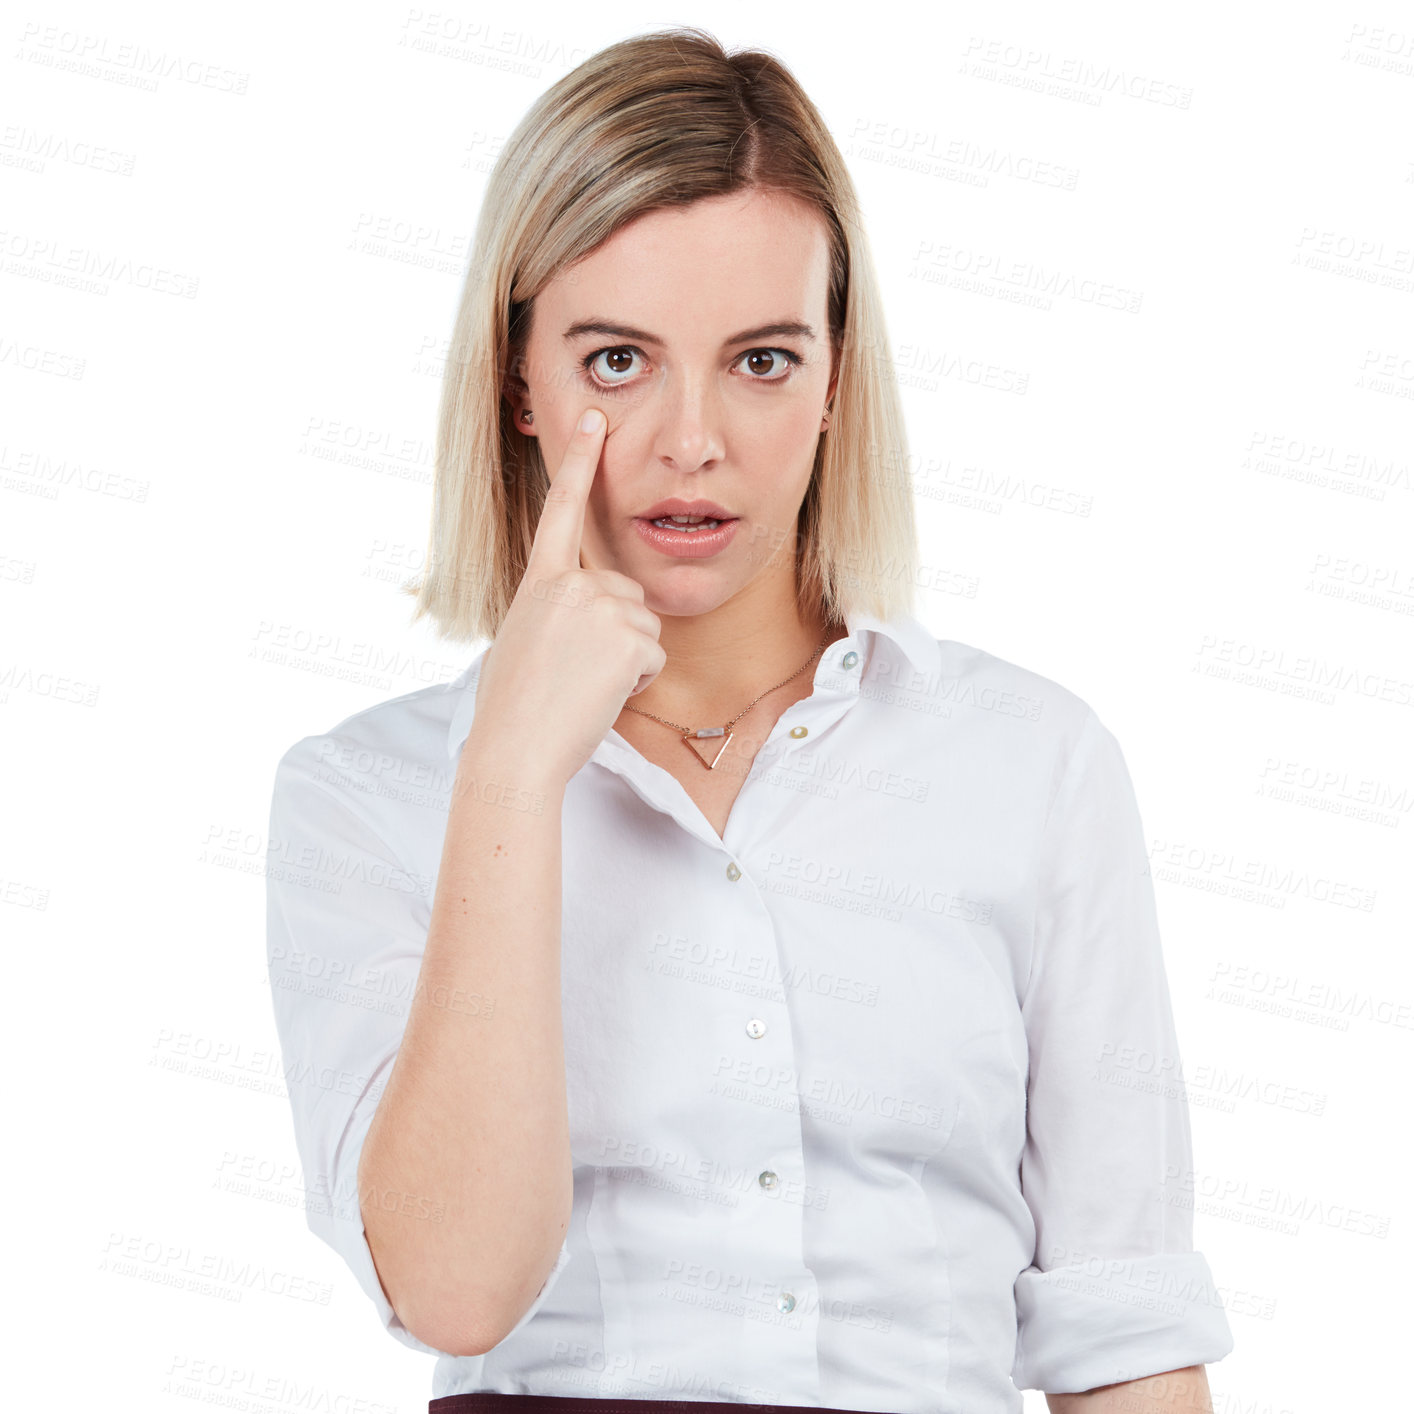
x=793 y=361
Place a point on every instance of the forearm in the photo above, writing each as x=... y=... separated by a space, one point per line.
x=474 y=1117
x=1176 y=1392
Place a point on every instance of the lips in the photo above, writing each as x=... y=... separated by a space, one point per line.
x=699 y=544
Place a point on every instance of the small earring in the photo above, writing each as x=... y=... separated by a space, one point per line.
x=527 y=416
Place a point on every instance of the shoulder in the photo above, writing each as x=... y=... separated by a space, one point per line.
x=967 y=685
x=380 y=753
x=990 y=683
x=1013 y=728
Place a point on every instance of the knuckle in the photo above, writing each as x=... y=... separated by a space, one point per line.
x=570 y=588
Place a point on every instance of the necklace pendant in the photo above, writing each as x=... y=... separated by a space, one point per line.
x=705 y=734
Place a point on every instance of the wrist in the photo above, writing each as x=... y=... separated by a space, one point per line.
x=500 y=771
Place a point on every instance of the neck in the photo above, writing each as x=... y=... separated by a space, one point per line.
x=720 y=661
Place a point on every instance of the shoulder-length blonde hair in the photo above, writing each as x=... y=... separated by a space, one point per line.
x=658 y=120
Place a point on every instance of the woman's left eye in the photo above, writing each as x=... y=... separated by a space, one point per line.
x=790 y=359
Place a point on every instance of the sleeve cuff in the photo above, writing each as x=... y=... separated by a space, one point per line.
x=338 y=1219
x=1106 y=1321
x=359 y=1256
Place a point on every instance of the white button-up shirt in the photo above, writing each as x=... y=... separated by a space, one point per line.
x=875 y=1101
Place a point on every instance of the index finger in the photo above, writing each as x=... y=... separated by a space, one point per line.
x=560 y=530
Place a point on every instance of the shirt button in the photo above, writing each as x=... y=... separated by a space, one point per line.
x=768 y=1179
x=755 y=1027
x=798 y=732
x=849 y=659
x=733 y=873
x=785 y=1302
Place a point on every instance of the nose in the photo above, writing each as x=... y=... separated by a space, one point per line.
x=689 y=434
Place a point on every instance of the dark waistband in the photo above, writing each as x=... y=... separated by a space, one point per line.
x=487 y=1402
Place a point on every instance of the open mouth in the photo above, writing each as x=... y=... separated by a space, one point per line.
x=688 y=525
x=687 y=537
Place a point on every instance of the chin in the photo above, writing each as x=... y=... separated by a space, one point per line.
x=682 y=600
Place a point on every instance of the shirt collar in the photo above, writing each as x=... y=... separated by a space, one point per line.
x=905 y=631
x=918 y=642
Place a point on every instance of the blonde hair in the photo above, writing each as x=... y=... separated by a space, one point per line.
x=658 y=120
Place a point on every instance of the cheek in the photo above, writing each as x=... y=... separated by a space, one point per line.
x=785 y=442
x=610 y=497
x=790 y=428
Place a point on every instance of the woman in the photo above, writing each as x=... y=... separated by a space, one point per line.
x=724 y=991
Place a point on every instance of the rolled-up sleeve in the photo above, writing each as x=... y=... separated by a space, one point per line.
x=1115 y=1291
x=346 y=927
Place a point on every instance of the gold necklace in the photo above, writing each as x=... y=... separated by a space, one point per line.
x=691 y=737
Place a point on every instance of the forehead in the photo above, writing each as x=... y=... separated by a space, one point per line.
x=694 y=273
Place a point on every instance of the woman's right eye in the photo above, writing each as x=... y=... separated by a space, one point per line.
x=617 y=361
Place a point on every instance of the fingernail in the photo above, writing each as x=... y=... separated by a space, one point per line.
x=590 y=421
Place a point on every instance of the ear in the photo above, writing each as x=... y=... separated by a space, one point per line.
x=834 y=375
x=518 y=404
x=517 y=394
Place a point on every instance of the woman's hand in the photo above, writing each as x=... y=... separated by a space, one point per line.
x=575 y=643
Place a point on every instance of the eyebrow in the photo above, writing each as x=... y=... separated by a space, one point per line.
x=783 y=328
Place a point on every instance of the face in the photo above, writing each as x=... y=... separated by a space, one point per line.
x=669 y=328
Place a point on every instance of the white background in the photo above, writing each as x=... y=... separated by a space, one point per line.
x=232 y=242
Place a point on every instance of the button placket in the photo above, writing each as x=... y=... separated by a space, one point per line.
x=779 y=1222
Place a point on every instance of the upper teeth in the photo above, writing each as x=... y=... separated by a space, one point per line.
x=686 y=522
